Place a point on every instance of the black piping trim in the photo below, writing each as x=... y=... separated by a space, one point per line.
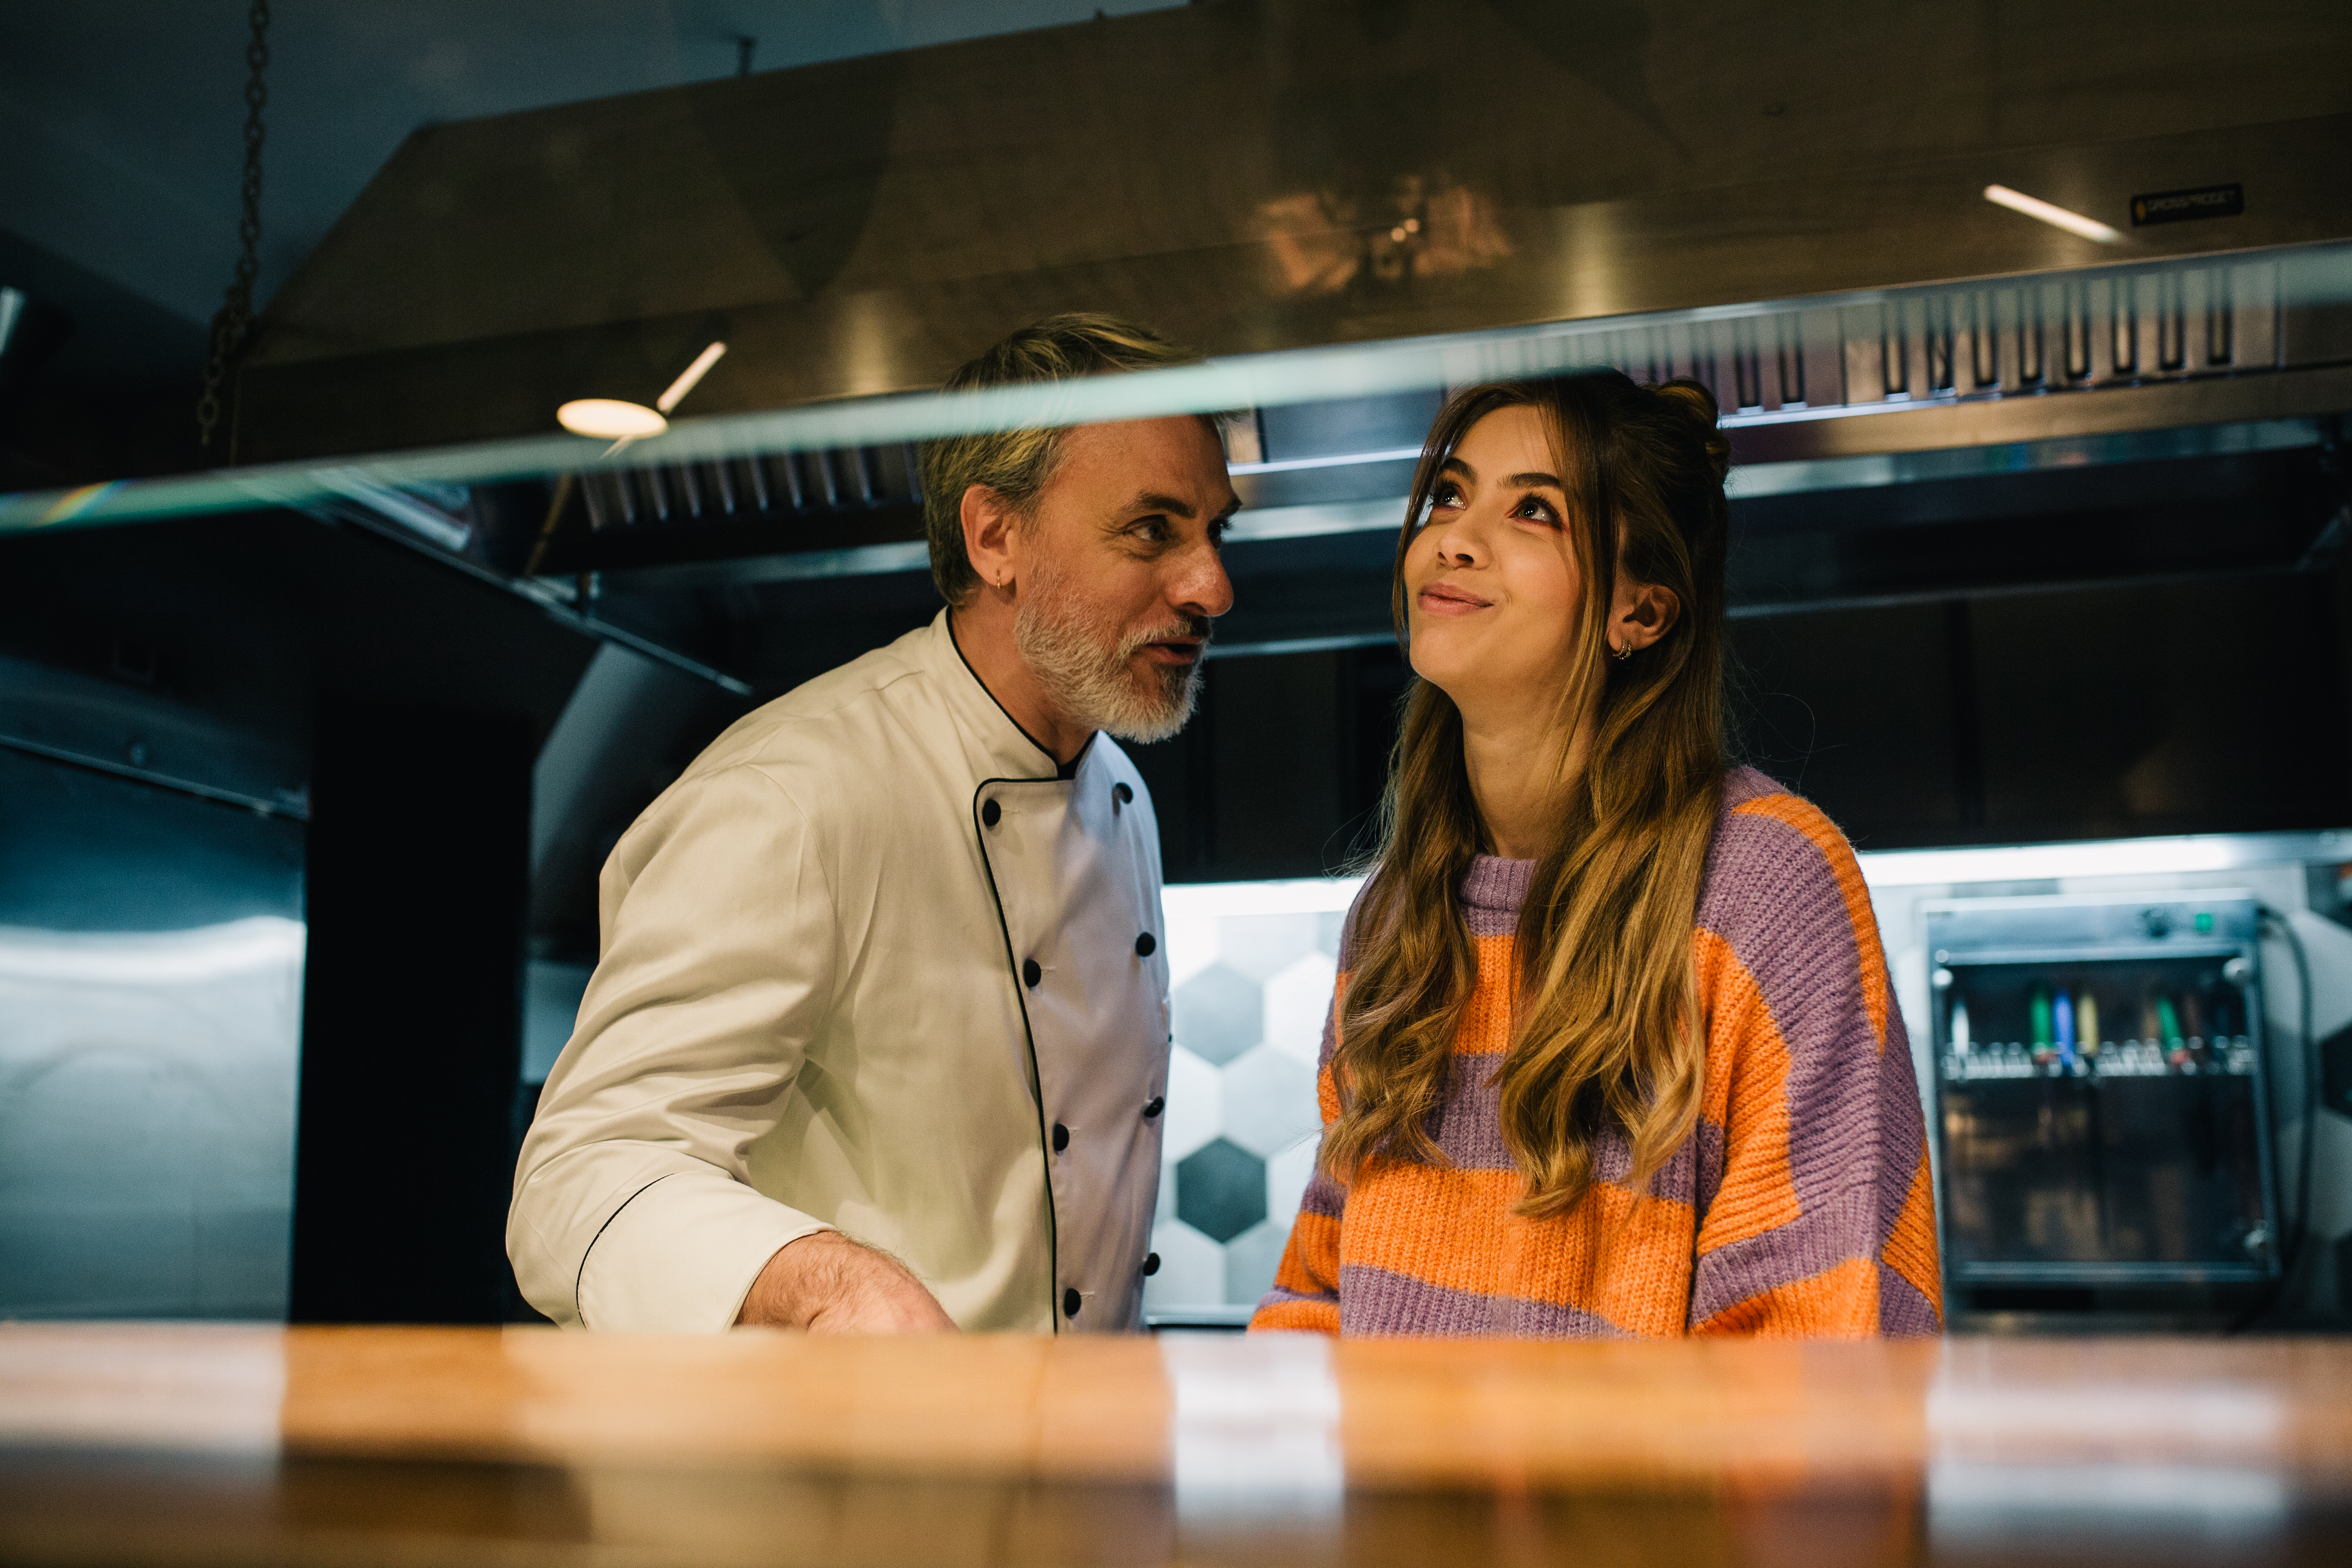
x=1029 y=1039
x=582 y=1272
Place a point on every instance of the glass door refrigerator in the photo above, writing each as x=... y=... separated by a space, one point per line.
x=2100 y=1099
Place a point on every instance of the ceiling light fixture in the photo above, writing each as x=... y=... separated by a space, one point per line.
x=611 y=419
x=2056 y=217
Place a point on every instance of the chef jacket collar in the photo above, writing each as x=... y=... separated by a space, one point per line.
x=1010 y=750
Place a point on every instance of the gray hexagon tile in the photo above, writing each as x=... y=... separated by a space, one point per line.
x=1270 y=1101
x=1221 y=1190
x=1219 y=1014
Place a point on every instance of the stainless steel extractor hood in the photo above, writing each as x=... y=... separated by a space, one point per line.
x=1255 y=176
x=1929 y=396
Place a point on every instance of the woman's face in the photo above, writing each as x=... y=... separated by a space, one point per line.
x=1493 y=590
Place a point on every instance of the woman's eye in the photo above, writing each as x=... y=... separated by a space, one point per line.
x=1536 y=510
x=1445 y=497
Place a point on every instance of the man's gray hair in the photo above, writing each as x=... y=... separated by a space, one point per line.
x=1017 y=464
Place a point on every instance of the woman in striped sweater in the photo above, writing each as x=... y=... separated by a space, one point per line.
x=1613 y=1051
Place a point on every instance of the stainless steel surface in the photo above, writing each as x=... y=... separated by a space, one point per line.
x=562 y=603
x=150 y=984
x=15 y=307
x=1306 y=172
x=112 y=727
x=2185 y=360
x=1721 y=247
x=1750 y=481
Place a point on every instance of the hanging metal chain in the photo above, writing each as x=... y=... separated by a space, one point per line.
x=236 y=304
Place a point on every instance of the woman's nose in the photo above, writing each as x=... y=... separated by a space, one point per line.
x=1459 y=542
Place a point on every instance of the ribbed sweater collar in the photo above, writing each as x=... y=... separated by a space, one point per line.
x=1494 y=888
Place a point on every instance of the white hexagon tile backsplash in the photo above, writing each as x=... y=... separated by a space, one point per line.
x=1252 y=966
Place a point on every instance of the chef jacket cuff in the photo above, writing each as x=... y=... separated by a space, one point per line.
x=679 y=1256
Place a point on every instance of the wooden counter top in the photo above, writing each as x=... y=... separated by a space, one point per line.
x=200 y=1444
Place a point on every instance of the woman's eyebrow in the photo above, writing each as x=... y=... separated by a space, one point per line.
x=1456 y=465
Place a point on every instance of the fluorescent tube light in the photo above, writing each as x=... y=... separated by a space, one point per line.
x=2056 y=217
x=689 y=376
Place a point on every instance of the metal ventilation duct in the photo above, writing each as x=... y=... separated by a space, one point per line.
x=2239 y=340
x=1264 y=175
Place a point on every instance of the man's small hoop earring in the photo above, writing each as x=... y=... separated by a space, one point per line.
x=1620 y=654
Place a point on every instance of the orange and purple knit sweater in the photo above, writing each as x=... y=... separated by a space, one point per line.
x=1800 y=1206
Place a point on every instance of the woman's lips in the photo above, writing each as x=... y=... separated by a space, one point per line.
x=1438 y=599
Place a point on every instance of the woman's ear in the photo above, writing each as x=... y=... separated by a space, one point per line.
x=1642 y=613
x=989 y=525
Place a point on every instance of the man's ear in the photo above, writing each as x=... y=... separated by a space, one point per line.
x=988 y=536
x=1644 y=613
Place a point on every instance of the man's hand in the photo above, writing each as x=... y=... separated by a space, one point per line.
x=828 y=1284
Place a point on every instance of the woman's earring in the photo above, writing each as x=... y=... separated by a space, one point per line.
x=1620 y=654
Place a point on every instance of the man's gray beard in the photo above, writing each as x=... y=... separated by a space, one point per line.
x=1085 y=665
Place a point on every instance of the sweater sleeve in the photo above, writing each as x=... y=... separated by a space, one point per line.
x=1817 y=1219
x=1306 y=1293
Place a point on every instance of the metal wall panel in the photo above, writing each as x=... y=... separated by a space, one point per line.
x=150 y=979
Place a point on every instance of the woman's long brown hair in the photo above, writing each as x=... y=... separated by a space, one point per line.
x=1606 y=1031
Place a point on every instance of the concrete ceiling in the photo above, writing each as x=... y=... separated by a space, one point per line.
x=123 y=118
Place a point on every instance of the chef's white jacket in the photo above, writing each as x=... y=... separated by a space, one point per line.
x=869 y=965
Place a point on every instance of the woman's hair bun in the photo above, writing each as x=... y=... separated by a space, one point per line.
x=1694 y=398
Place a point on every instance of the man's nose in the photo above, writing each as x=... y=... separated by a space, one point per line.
x=1202 y=588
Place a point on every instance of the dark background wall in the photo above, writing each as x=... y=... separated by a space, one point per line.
x=418 y=888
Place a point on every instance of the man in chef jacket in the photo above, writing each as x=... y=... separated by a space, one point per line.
x=878 y=1040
